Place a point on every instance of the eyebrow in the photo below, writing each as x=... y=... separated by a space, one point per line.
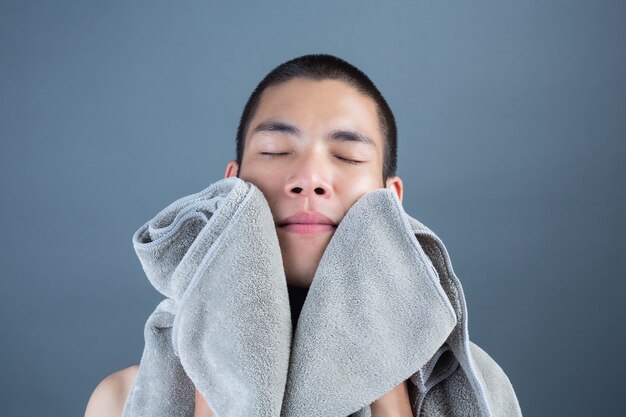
x=351 y=136
x=275 y=126
x=339 y=135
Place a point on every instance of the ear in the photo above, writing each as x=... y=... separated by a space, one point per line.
x=395 y=183
x=232 y=169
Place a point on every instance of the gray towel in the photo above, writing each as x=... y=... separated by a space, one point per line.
x=384 y=306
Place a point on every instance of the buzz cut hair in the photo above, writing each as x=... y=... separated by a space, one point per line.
x=321 y=67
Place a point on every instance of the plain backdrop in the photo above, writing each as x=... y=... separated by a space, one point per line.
x=512 y=146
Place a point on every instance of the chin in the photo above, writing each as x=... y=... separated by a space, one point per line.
x=299 y=274
x=301 y=258
x=298 y=280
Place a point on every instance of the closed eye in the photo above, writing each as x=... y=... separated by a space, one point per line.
x=349 y=161
x=277 y=154
x=273 y=154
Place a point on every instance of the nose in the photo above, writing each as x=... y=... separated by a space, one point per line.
x=310 y=178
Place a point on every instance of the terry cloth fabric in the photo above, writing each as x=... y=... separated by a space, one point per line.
x=384 y=306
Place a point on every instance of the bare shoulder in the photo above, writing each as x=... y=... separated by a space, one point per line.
x=108 y=399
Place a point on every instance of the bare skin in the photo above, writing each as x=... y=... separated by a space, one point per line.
x=110 y=395
x=294 y=154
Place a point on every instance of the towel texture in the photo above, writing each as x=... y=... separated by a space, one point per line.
x=384 y=306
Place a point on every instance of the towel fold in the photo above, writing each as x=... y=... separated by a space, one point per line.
x=384 y=306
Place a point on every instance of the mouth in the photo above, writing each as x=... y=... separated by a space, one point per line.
x=307 y=223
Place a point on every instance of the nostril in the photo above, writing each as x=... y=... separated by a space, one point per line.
x=317 y=190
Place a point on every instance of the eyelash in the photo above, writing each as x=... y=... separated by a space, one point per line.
x=273 y=155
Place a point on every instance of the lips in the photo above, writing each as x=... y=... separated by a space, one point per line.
x=307 y=222
x=306 y=217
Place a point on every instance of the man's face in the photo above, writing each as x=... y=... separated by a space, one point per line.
x=313 y=148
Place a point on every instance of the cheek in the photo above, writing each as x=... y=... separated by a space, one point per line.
x=357 y=187
x=268 y=184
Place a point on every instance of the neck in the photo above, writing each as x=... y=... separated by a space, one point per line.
x=297 y=295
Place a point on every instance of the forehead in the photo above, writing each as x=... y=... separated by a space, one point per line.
x=318 y=104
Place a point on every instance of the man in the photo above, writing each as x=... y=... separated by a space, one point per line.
x=314 y=137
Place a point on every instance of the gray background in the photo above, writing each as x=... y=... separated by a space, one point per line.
x=512 y=132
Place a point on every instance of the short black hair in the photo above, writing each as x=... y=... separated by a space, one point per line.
x=326 y=67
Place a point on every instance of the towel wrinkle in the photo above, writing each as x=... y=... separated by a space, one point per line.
x=384 y=307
